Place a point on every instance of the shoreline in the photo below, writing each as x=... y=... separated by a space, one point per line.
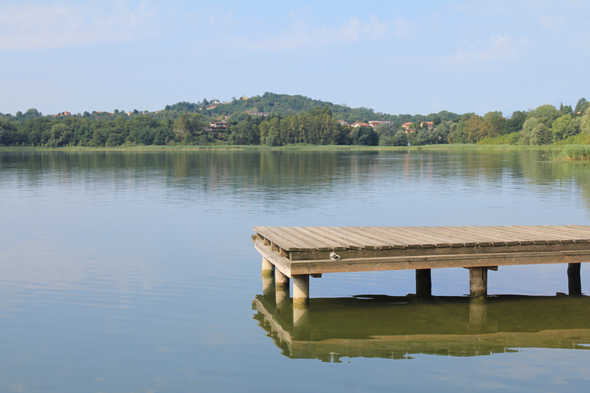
x=281 y=148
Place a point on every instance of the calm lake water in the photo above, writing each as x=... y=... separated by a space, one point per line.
x=135 y=272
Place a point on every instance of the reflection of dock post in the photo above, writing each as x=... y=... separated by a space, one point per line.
x=282 y=288
x=478 y=282
x=301 y=305
x=477 y=313
x=573 y=279
x=423 y=283
x=301 y=322
x=268 y=279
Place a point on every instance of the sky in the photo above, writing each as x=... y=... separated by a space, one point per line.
x=397 y=57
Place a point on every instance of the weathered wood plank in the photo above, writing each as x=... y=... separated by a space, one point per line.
x=315 y=241
x=412 y=240
x=336 y=237
x=364 y=242
x=437 y=261
x=470 y=237
x=285 y=243
x=331 y=243
x=323 y=239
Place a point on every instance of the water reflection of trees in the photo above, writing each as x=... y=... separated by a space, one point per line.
x=275 y=173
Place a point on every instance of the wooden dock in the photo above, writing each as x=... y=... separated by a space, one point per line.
x=300 y=252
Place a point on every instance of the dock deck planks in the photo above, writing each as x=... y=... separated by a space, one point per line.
x=312 y=239
x=307 y=250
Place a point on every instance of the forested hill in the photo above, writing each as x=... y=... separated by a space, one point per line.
x=238 y=109
x=284 y=104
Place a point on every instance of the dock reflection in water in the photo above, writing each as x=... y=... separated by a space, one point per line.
x=397 y=327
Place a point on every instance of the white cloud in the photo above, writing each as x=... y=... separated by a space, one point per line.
x=302 y=34
x=553 y=22
x=53 y=25
x=497 y=49
x=403 y=29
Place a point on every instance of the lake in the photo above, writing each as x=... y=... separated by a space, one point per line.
x=131 y=271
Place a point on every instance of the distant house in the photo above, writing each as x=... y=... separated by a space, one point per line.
x=342 y=122
x=66 y=113
x=374 y=123
x=218 y=125
x=211 y=107
x=407 y=125
x=430 y=124
x=252 y=113
x=408 y=130
x=358 y=124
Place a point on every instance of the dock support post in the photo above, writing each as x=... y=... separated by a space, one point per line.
x=268 y=269
x=573 y=279
x=282 y=288
x=423 y=283
x=301 y=290
x=478 y=282
x=268 y=279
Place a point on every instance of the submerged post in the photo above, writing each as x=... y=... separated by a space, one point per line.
x=268 y=279
x=478 y=282
x=268 y=269
x=423 y=283
x=282 y=288
x=574 y=279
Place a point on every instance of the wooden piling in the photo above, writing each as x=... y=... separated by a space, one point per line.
x=423 y=283
x=268 y=269
x=478 y=282
x=574 y=279
x=301 y=291
x=282 y=281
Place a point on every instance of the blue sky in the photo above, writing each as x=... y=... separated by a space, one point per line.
x=392 y=56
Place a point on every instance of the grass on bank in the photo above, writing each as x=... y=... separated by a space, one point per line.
x=293 y=147
x=573 y=153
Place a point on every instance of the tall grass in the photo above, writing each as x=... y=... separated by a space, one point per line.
x=575 y=153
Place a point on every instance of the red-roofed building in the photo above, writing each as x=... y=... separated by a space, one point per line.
x=357 y=124
x=430 y=124
x=407 y=125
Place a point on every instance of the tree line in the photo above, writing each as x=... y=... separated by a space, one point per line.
x=318 y=126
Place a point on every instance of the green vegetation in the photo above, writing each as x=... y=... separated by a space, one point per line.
x=574 y=153
x=276 y=120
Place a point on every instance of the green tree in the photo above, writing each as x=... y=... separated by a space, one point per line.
x=540 y=135
x=580 y=105
x=385 y=129
x=515 y=123
x=545 y=114
x=400 y=138
x=476 y=128
x=527 y=129
x=585 y=123
x=564 y=127
x=496 y=122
